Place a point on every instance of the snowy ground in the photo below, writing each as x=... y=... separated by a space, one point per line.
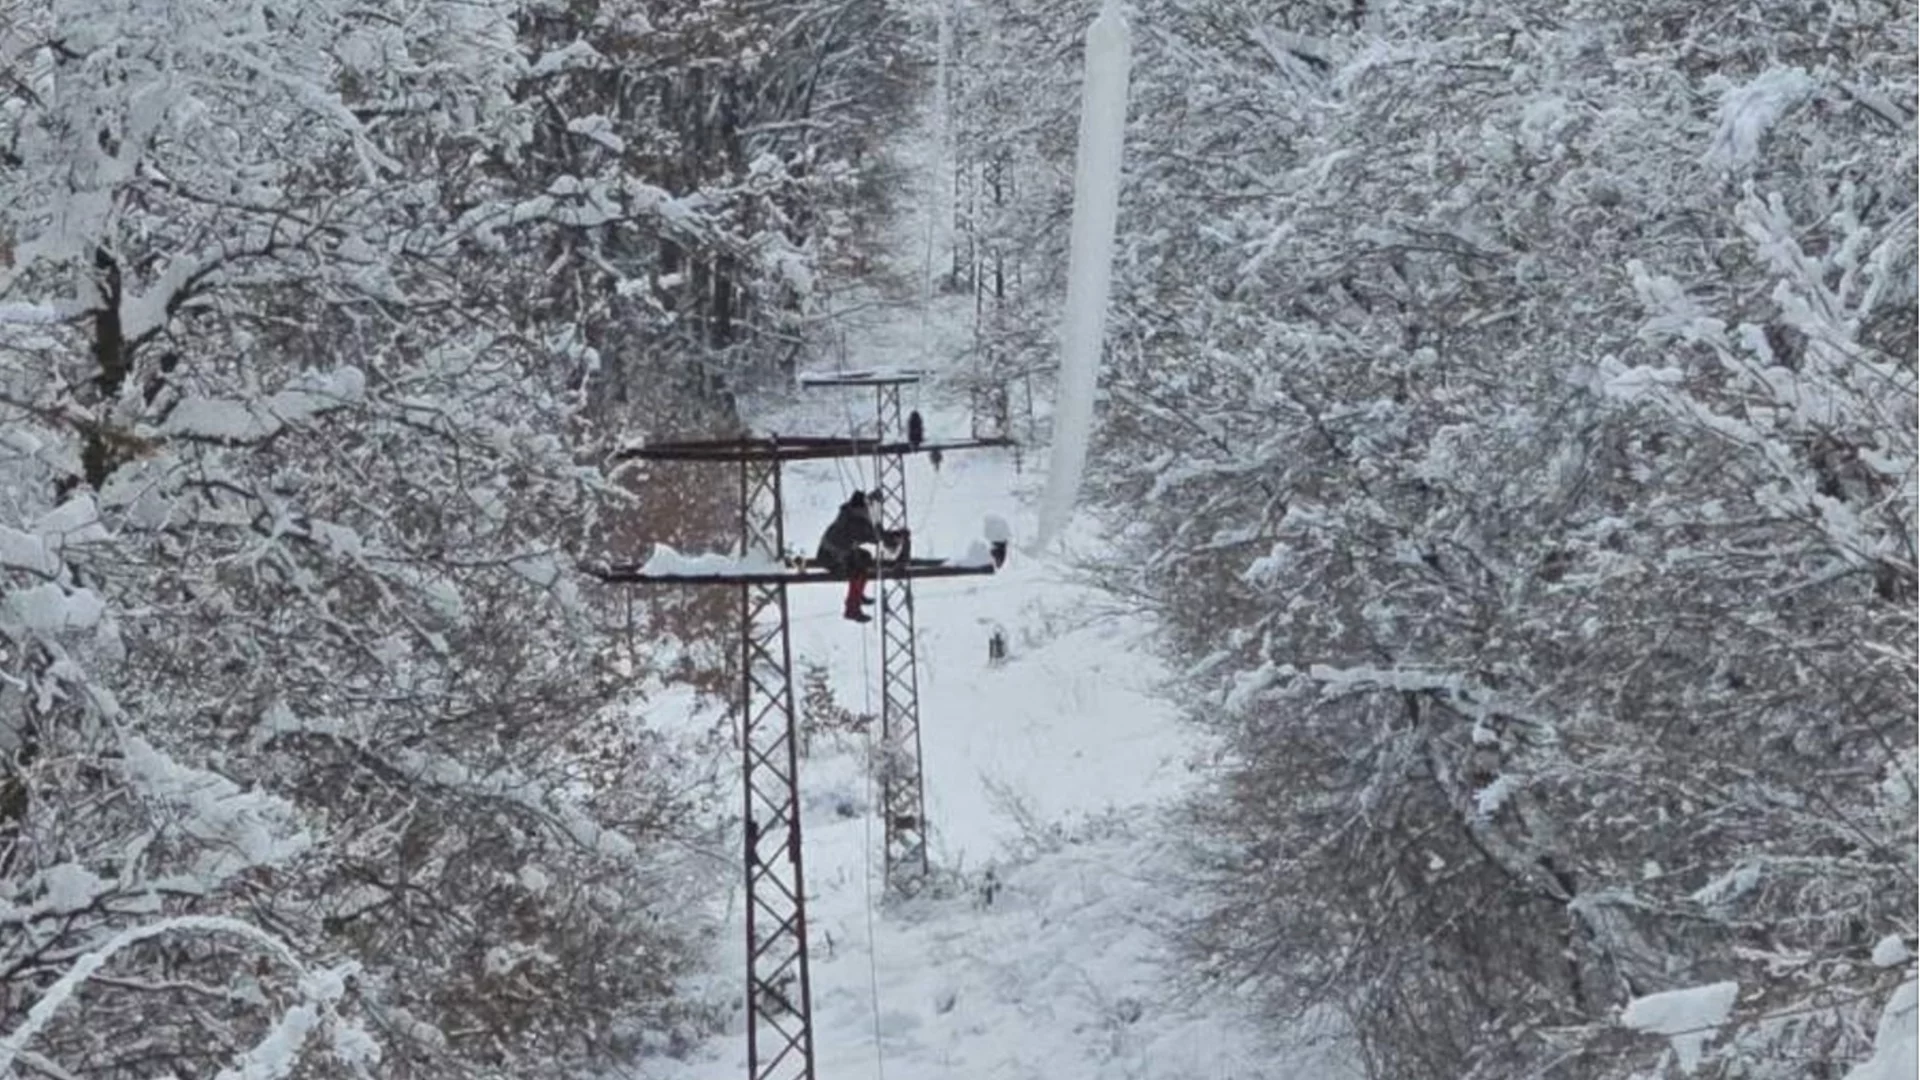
x=1045 y=770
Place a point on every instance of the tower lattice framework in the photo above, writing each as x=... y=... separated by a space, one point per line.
x=902 y=783
x=779 y=985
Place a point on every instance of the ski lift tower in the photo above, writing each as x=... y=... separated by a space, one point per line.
x=779 y=990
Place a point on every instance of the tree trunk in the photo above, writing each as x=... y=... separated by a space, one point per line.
x=113 y=361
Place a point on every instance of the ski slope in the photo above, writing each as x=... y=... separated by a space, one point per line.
x=1041 y=952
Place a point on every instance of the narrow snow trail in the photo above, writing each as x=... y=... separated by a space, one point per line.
x=1041 y=953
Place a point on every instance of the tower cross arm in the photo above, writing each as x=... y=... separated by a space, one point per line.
x=637 y=574
x=793 y=449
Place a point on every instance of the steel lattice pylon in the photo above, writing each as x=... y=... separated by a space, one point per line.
x=779 y=989
x=902 y=793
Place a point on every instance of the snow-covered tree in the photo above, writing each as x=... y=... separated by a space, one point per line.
x=306 y=729
x=1015 y=74
x=315 y=323
x=1532 y=395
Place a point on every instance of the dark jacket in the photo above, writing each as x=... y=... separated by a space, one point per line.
x=851 y=528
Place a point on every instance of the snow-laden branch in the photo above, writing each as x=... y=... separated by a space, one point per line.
x=503 y=784
x=1461 y=692
x=39 y=548
x=240 y=422
x=238 y=829
x=274 y=1057
x=1783 y=410
x=21 y=313
x=1749 y=111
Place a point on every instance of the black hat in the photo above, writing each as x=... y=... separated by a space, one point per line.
x=859 y=499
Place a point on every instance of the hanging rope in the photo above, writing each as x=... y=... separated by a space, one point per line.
x=873 y=947
x=840 y=470
x=879 y=581
x=841 y=466
x=853 y=431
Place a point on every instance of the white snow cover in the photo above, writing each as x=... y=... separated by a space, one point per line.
x=72 y=523
x=576 y=54
x=1896 y=1043
x=666 y=561
x=240 y=829
x=978 y=554
x=49 y=607
x=1729 y=886
x=26 y=551
x=600 y=129
x=1248 y=686
x=1747 y=113
x=1488 y=801
x=1688 y=1018
x=535 y=880
x=52 y=605
x=69 y=887
x=1096 y=210
x=15 y=311
x=234 y=420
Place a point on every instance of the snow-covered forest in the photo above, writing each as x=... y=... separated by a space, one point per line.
x=1504 y=467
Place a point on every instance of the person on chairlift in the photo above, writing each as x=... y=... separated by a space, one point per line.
x=843 y=549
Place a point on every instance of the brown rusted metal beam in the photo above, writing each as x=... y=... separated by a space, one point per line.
x=629 y=573
x=869 y=377
x=792 y=449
